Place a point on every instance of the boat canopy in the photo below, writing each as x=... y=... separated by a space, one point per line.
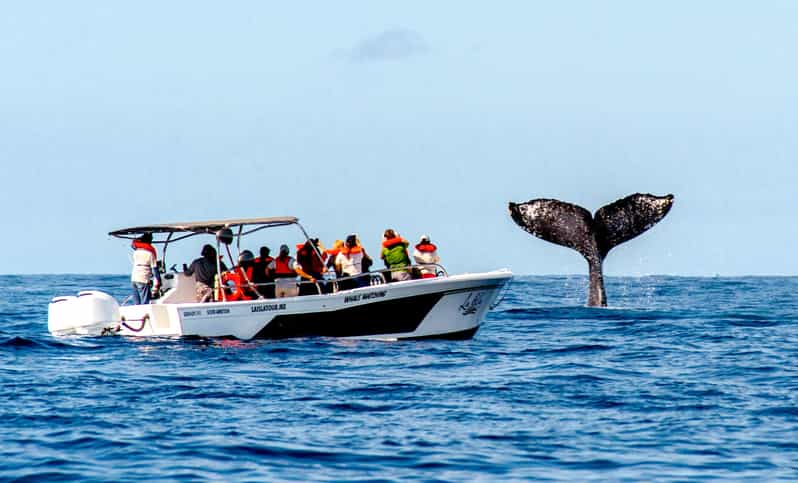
x=213 y=226
x=235 y=228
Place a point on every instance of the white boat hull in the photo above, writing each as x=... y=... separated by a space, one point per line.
x=445 y=307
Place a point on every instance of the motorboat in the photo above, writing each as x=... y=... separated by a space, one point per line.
x=444 y=306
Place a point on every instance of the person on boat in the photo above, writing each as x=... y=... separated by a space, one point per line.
x=332 y=255
x=394 y=255
x=285 y=270
x=426 y=254
x=204 y=271
x=261 y=274
x=349 y=263
x=238 y=282
x=145 y=274
x=310 y=256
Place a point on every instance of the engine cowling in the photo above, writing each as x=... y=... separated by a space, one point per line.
x=88 y=313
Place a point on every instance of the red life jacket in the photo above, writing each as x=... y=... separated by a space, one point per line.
x=247 y=271
x=282 y=268
x=426 y=247
x=140 y=245
x=260 y=270
x=309 y=259
x=265 y=261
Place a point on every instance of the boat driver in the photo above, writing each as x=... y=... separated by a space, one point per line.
x=204 y=271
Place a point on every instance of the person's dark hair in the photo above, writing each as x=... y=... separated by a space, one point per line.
x=351 y=241
x=264 y=252
x=209 y=252
x=246 y=258
x=389 y=233
x=146 y=238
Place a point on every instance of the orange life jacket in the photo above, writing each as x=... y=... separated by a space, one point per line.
x=394 y=241
x=348 y=251
x=239 y=281
x=282 y=267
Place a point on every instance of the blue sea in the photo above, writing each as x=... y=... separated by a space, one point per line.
x=680 y=379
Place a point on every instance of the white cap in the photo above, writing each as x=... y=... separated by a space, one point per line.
x=423 y=238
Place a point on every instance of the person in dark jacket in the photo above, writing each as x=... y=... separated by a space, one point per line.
x=312 y=263
x=261 y=274
x=204 y=271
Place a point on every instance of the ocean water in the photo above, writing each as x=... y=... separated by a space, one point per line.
x=680 y=379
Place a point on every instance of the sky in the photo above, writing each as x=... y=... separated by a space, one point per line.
x=427 y=117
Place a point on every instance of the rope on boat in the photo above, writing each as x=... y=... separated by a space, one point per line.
x=143 y=321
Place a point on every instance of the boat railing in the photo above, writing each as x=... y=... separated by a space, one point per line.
x=374 y=278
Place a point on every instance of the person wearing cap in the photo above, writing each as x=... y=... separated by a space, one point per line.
x=145 y=274
x=204 y=271
x=394 y=255
x=426 y=254
x=349 y=263
x=285 y=270
x=245 y=271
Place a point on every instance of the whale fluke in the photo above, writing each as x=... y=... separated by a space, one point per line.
x=572 y=226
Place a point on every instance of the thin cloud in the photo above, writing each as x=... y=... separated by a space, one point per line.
x=392 y=44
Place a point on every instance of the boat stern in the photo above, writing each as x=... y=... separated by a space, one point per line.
x=89 y=313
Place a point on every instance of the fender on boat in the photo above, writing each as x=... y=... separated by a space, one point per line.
x=88 y=313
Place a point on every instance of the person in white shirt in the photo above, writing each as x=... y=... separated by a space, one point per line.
x=349 y=263
x=426 y=254
x=145 y=269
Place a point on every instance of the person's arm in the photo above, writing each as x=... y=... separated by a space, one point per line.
x=156 y=274
x=339 y=264
x=301 y=273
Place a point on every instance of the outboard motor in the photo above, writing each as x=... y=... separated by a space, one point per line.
x=87 y=314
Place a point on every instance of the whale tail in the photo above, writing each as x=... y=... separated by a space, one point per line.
x=593 y=236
